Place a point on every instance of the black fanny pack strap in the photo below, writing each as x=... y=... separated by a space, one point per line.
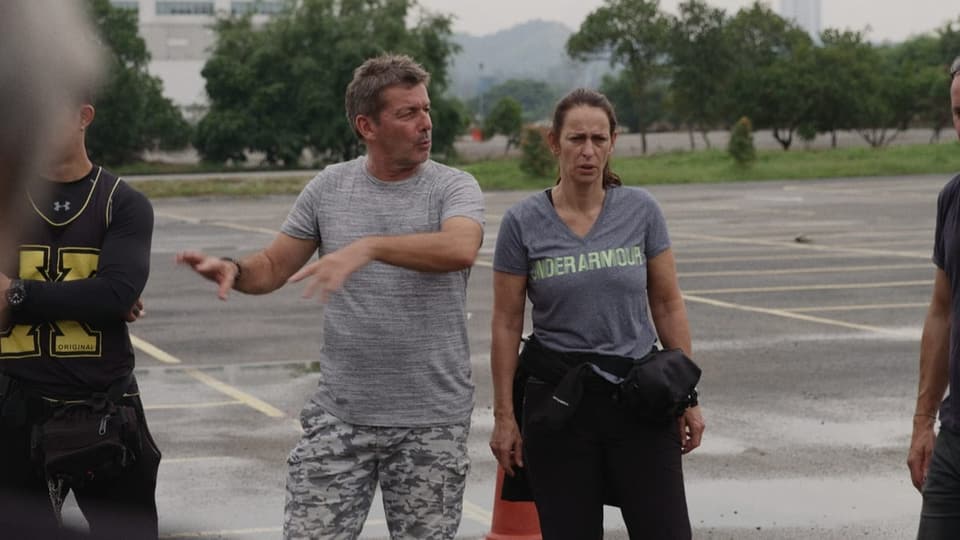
x=119 y=388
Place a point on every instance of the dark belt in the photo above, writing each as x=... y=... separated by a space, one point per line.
x=553 y=366
x=571 y=374
x=20 y=403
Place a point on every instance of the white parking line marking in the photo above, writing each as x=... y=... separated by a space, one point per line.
x=234 y=392
x=827 y=287
x=172 y=461
x=206 y=405
x=224 y=533
x=477 y=513
x=218 y=385
x=747 y=258
x=786 y=314
x=807 y=247
x=860 y=307
x=156 y=353
x=815 y=270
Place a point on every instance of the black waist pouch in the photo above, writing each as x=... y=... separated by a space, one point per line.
x=660 y=386
x=87 y=440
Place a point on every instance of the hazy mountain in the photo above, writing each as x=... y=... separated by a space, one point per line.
x=531 y=50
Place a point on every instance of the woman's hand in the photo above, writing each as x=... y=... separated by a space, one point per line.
x=506 y=443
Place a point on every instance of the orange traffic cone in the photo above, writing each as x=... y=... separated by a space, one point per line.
x=513 y=520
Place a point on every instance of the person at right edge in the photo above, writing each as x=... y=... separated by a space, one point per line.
x=590 y=254
x=934 y=460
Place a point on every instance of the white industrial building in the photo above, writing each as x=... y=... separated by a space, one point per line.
x=179 y=37
x=806 y=13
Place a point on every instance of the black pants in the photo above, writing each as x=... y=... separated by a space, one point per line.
x=604 y=456
x=123 y=507
x=940 y=516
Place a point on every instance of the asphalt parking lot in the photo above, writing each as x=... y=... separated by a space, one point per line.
x=805 y=298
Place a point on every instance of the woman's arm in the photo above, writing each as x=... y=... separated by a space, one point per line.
x=666 y=303
x=670 y=318
x=509 y=293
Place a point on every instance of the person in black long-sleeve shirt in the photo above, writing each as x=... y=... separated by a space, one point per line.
x=84 y=258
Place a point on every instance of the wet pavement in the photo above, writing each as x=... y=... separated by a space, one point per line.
x=805 y=302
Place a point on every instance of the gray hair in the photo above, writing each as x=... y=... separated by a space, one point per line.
x=365 y=91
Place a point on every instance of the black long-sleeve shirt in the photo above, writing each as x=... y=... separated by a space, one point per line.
x=84 y=260
x=122 y=270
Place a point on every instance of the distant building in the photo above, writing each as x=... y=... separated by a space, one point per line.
x=806 y=13
x=179 y=36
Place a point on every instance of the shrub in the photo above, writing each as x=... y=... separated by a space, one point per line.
x=741 y=143
x=536 y=158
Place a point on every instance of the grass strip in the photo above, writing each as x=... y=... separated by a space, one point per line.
x=706 y=166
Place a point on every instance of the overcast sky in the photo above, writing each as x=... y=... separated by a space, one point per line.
x=891 y=20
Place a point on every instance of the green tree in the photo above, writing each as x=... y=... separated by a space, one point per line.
x=451 y=119
x=132 y=113
x=632 y=33
x=896 y=82
x=701 y=61
x=279 y=90
x=773 y=72
x=633 y=113
x=934 y=99
x=537 y=98
x=741 y=146
x=846 y=57
x=506 y=118
x=536 y=158
x=926 y=92
x=948 y=36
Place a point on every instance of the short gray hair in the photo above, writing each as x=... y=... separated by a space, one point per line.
x=365 y=91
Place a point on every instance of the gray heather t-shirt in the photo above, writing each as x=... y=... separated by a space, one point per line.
x=588 y=294
x=394 y=340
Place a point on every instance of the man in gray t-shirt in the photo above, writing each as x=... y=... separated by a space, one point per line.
x=397 y=235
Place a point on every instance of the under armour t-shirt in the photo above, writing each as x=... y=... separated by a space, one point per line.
x=394 y=345
x=589 y=294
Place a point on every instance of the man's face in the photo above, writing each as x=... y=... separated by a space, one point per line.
x=955 y=103
x=402 y=132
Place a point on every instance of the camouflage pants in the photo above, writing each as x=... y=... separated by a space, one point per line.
x=334 y=470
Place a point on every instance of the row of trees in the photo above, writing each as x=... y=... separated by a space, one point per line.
x=704 y=69
x=278 y=90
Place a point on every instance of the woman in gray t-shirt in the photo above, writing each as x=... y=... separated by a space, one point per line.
x=590 y=255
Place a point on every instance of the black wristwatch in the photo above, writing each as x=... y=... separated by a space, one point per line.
x=16 y=294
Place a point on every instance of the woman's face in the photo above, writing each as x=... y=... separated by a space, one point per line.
x=584 y=144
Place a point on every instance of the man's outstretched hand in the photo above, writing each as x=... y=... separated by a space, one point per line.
x=215 y=269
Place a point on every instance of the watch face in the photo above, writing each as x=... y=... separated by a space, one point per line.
x=15 y=295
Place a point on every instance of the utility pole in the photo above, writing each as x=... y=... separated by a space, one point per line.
x=480 y=91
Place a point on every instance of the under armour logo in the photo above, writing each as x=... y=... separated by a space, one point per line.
x=64 y=206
